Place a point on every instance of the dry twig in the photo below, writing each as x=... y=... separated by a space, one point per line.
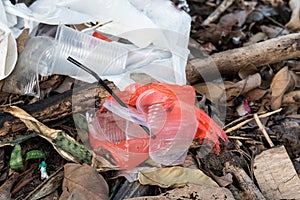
x=216 y=14
x=238 y=126
x=263 y=130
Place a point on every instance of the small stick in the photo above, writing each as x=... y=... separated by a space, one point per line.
x=245 y=182
x=107 y=88
x=238 y=138
x=216 y=14
x=238 y=126
x=263 y=130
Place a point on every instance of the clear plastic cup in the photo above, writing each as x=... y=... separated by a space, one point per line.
x=46 y=56
x=101 y=56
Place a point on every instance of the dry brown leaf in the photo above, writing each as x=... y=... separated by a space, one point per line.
x=292 y=97
x=174 y=177
x=274 y=3
x=256 y=94
x=296 y=78
x=190 y=162
x=32 y=123
x=1 y=84
x=200 y=192
x=258 y=37
x=247 y=71
x=22 y=39
x=294 y=23
x=238 y=17
x=281 y=83
x=192 y=191
x=273 y=31
x=243 y=86
x=213 y=91
x=208 y=48
x=228 y=20
x=142 y=78
x=83 y=182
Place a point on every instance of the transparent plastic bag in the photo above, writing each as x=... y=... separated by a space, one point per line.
x=169 y=113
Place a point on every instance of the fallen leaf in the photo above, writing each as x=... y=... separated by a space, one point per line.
x=66 y=85
x=243 y=86
x=256 y=94
x=273 y=31
x=83 y=182
x=292 y=97
x=174 y=177
x=296 y=78
x=142 y=78
x=213 y=91
x=267 y=75
x=294 y=23
x=258 y=37
x=272 y=2
x=35 y=154
x=16 y=161
x=22 y=39
x=247 y=71
x=228 y=20
x=294 y=66
x=213 y=33
x=281 y=83
x=208 y=48
x=190 y=162
x=224 y=180
x=32 y=123
x=192 y=191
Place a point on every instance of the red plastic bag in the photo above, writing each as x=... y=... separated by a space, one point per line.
x=170 y=114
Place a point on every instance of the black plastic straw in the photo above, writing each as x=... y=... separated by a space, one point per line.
x=107 y=88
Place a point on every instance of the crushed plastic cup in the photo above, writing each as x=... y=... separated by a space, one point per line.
x=24 y=79
x=113 y=138
x=169 y=112
x=46 y=56
x=105 y=56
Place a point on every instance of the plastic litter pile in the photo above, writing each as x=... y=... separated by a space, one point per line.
x=169 y=112
x=156 y=45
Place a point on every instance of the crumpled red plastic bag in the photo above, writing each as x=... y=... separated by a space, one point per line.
x=169 y=112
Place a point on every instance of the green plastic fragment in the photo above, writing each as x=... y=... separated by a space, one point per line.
x=16 y=162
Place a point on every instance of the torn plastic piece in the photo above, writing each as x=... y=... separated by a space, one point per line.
x=169 y=112
x=8 y=46
x=101 y=36
x=42 y=168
